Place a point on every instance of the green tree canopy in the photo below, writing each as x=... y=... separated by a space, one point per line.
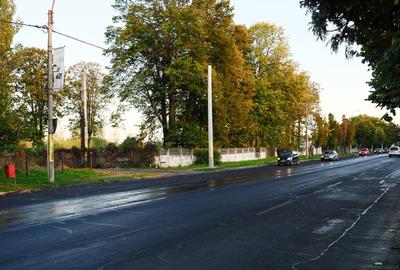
x=10 y=119
x=30 y=86
x=160 y=50
x=98 y=98
x=369 y=29
x=284 y=96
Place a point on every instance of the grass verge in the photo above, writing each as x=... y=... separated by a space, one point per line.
x=37 y=179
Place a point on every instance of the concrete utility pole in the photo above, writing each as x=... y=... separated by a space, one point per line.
x=307 y=147
x=210 y=121
x=85 y=134
x=50 y=142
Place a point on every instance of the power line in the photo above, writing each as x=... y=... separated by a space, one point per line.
x=25 y=24
x=44 y=27
x=79 y=40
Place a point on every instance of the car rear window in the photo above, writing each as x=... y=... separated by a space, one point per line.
x=329 y=152
x=286 y=154
x=394 y=149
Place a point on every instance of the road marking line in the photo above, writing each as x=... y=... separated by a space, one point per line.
x=351 y=209
x=323 y=189
x=334 y=185
x=393 y=174
x=62 y=229
x=323 y=252
x=274 y=207
x=103 y=224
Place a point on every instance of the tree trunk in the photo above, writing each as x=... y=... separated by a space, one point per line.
x=172 y=115
x=164 y=123
x=82 y=139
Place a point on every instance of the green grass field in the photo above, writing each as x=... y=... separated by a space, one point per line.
x=37 y=178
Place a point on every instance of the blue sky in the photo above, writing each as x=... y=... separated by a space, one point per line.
x=343 y=81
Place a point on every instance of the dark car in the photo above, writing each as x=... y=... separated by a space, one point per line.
x=378 y=151
x=289 y=158
x=330 y=155
x=363 y=152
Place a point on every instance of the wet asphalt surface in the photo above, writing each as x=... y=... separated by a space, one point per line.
x=333 y=215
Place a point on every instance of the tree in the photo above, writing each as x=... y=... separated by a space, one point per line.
x=366 y=130
x=30 y=85
x=370 y=29
x=160 y=52
x=97 y=99
x=268 y=58
x=334 y=132
x=10 y=118
x=320 y=132
x=351 y=132
x=7 y=31
x=392 y=132
x=284 y=96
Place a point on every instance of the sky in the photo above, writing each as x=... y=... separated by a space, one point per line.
x=343 y=81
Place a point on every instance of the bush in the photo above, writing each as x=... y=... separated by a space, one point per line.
x=202 y=156
x=130 y=144
x=98 y=143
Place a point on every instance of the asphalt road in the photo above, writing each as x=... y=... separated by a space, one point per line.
x=335 y=215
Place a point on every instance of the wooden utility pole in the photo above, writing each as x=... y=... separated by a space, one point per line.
x=84 y=128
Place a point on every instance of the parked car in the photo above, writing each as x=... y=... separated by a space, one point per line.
x=386 y=150
x=394 y=151
x=363 y=152
x=330 y=155
x=289 y=158
x=378 y=151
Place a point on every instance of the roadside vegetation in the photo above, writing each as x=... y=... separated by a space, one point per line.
x=37 y=178
x=159 y=60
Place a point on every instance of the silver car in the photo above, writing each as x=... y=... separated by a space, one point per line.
x=394 y=151
x=331 y=155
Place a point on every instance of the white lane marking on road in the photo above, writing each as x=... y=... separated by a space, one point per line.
x=393 y=174
x=102 y=224
x=334 y=185
x=62 y=229
x=163 y=259
x=323 y=252
x=274 y=208
x=351 y=209
x=381 y=182
x=324 y=189
x=332 y=224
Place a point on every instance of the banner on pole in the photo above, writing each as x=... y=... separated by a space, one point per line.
x=58 y=68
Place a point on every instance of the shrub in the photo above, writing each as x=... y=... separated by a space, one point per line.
x=202 y=156
x=98 y=143
x=130 y=144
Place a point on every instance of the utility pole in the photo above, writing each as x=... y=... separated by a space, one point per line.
x=307 y=147
x=210 y=121
x=85 y=135
x=50 y=142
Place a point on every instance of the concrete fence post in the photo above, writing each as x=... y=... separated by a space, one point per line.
x=180 y=156
x=167 y=157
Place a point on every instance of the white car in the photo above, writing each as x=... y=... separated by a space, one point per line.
x=330 y=155
x=394 y=151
